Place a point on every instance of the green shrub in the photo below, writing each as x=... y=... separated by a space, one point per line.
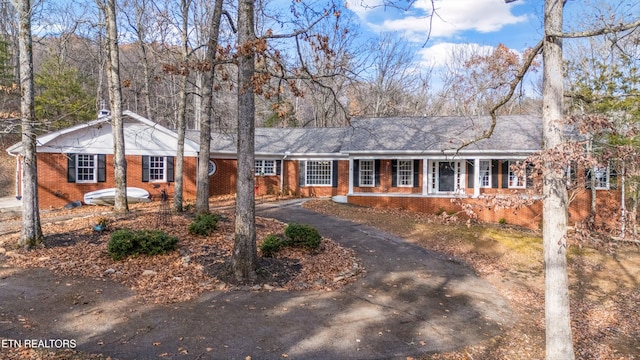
x=156 y=242
x=126 y=243
x=122 y=244
x=301 y=235
x=203 y=224
x=502 y=221
x=271 y=245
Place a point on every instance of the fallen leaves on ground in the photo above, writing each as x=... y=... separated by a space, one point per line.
x=200 y=264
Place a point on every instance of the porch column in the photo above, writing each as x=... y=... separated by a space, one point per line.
x=350 y=176
x=476 y=177
x=425 y=176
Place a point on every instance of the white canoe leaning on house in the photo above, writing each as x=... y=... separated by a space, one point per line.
x=108 y=196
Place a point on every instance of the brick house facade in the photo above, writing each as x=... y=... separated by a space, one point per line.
x=409 y=163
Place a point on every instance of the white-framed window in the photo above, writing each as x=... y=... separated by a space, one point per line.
x=517 y=180
x=366 y=173
x=265 y=167
x=318 y=173
x=485 y=174
x=405 y=173
x=601 y=176
x=86 y=168
x=157 y=168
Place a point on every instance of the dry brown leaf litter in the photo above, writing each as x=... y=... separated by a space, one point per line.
x=73 y=248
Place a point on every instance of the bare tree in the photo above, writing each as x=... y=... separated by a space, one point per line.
x=108 y=8
x=559 y=344
x=31 y=234
x=182 y=107
x=244 y=249
x=139 y=25
x=202 y=187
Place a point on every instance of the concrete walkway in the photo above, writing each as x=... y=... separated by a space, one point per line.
x=411 y=302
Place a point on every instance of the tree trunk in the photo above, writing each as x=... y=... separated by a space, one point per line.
x=115 y=99
x=244 y=250
x=559 y=344
x=146 y=92
x=182 y=109
x=202 y=189
x=31 y=234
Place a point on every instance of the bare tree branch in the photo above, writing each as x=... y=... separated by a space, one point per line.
x=513 y=85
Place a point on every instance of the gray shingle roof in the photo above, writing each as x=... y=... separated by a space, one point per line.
x=435 y=134
x=309 y=141
x=406 y=135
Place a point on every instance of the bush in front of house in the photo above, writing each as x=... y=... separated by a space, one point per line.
x=204 y=224
x=302 y=235
x=296 y=235
x=125 y=242
x=271 y=245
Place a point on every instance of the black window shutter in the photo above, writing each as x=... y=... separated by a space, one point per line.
x=334 y=180
x=71 y=168
x=356 y=172
x=613 y=177
x=377 y=172
x=505 y=174
x=278 y=167
x=145 y=168
x=302 y=175
x=495 y=171
x=102 y=167
x=470 y=173
x=587 y=182
x=394 y=173
x=416 y=173
x=170 y=169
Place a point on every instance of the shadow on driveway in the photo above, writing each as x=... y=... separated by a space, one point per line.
x=409 y=303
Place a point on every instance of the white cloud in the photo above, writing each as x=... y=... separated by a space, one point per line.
x=453 y=17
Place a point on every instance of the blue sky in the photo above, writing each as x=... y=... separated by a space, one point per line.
x=483 y=23
x=479 y=23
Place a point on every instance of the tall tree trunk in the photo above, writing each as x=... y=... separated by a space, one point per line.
x=182 y=109
x=31 y=234
x=146 y=92
x=115 y=100
x=202 y=190
x=244 y=250
x=559 y=344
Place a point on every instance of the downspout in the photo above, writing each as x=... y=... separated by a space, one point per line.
x=17 y=175
x=350 y=189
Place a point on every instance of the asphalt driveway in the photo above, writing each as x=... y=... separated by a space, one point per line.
x=409 y=303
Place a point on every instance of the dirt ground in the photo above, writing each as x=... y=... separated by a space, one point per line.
x=605 y=288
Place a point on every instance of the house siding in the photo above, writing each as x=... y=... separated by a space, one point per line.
x=55 y=191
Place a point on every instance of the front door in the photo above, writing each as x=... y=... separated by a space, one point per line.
x=446 y=177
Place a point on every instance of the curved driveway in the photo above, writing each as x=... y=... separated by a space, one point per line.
x=410 y=302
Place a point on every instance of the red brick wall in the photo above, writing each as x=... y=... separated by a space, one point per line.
x=55 y=191
x=223 y=182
